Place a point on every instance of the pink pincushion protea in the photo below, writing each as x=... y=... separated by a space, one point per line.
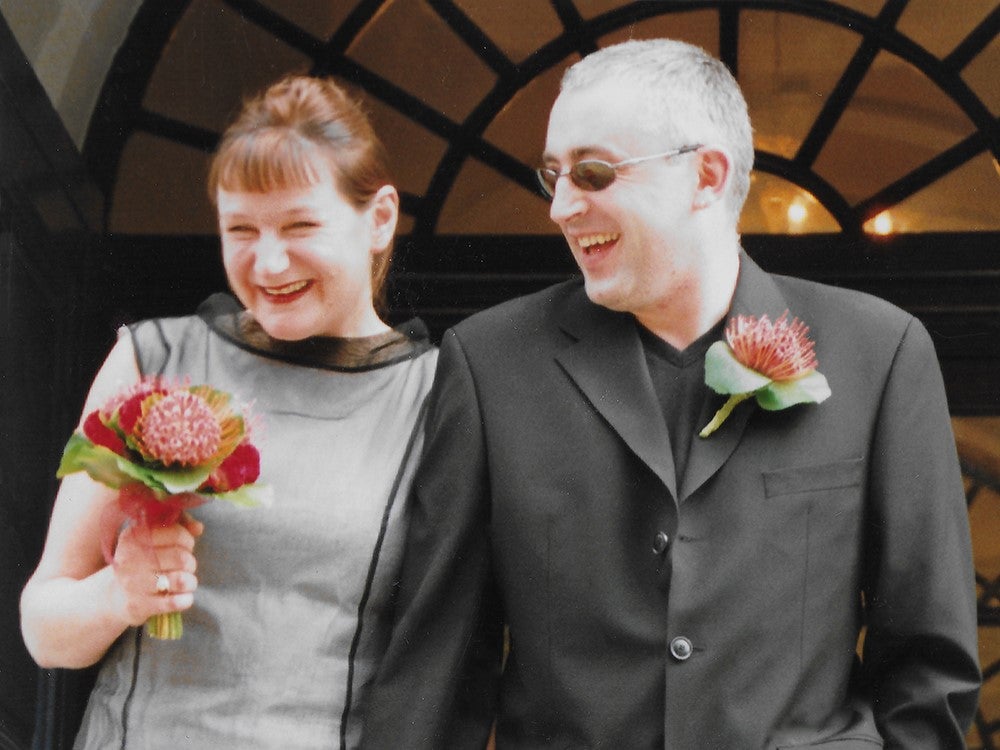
x=780 y=350
x=179 y=428
x=773 y=363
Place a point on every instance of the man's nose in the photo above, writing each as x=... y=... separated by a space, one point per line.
x=568 y=201
x=271 y=255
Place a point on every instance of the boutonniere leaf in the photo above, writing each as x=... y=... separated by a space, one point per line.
x=772 y=362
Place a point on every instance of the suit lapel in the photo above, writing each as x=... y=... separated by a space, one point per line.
x=607 y=363
x=756 y=294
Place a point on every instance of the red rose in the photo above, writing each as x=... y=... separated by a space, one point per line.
x=130 y=401
x=130 y=411
x=100 y=434
x=242 y=466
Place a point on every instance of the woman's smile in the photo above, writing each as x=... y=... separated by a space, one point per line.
x=287 y=292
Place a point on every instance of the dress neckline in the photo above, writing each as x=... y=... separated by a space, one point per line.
x=227 y=318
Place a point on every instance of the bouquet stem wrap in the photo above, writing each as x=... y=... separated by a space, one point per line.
x=146 y=510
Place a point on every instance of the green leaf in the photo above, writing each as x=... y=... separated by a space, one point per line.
x=102 y=464
x=182 y=480
x=107 y=467
x=725 y=374
x=247 y=496
x=808 y=389
x=171 y=480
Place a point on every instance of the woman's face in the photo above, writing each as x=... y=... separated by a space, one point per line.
x=299 y=259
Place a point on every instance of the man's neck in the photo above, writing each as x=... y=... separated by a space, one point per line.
x=698 y=303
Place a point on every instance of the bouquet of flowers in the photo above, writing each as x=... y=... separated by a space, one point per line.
x=167 y=448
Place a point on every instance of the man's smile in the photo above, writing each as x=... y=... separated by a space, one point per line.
x=596 y=242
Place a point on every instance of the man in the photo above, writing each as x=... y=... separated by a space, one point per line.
x=661 y=589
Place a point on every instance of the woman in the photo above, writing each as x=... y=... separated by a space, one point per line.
x=286 y=607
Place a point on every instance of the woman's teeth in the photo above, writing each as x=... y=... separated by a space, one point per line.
x=295 y=286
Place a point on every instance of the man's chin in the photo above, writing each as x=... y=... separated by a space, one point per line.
x=604 y=296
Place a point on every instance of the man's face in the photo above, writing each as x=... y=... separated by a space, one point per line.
x=633 y=240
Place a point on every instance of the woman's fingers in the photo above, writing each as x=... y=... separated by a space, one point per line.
x=179 y=597
x=177 y=534
x=193 y=525
x=174 y=582
x=142 y=596
x=166 y=559
x=155 y=570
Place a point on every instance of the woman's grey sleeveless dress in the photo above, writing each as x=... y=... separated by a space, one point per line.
x=291 y=613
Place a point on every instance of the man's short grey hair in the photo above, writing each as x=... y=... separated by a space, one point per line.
x=692 y=98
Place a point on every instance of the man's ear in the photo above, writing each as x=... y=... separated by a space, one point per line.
x=384 y=214
x=714 y=169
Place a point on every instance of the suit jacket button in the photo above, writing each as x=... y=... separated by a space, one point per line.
x=660 y=542
x=681 y=648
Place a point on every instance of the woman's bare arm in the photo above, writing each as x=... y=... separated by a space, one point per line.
x=75 y=605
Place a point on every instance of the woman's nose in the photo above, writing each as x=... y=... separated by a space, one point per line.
x=271 y=255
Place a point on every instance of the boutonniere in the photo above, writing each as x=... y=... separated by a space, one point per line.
x=772 y=362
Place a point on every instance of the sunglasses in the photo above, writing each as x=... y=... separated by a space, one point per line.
x=594 y=174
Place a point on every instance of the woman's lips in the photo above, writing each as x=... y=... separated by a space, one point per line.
x=287 y=292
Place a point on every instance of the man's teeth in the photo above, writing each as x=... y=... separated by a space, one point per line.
x=596 y=239
x=287 y=288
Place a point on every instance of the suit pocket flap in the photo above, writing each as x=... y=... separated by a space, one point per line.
x=813 y=478
x=841 y=743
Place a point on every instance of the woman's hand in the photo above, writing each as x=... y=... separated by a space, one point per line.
x=154 y=570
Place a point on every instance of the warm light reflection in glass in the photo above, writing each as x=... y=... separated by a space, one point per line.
x=797 y=213
x=776 y=206
x=882 y=224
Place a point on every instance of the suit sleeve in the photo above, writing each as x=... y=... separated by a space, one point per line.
x=437 y=684
x=920 y=652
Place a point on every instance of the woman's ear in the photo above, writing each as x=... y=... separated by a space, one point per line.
x=714 y=169
x=384 y=213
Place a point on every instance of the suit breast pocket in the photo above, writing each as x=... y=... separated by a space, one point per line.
x=818 y=478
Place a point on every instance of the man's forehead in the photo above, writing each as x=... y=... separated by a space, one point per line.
x=596 y=121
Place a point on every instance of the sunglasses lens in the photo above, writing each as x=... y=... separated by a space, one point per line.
x=592 y=175
x=587 y=175
x=547 y=179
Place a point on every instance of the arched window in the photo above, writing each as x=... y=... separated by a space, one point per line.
x=870 y=116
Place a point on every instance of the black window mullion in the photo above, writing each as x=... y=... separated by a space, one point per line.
x=974 y=43
x=473 y=36
x=838 y=101
x=923 y=176
x=278 y=26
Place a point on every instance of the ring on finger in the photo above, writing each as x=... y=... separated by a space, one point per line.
x=162 y=583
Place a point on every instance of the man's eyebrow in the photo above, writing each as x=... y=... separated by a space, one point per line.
x=581 y=152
